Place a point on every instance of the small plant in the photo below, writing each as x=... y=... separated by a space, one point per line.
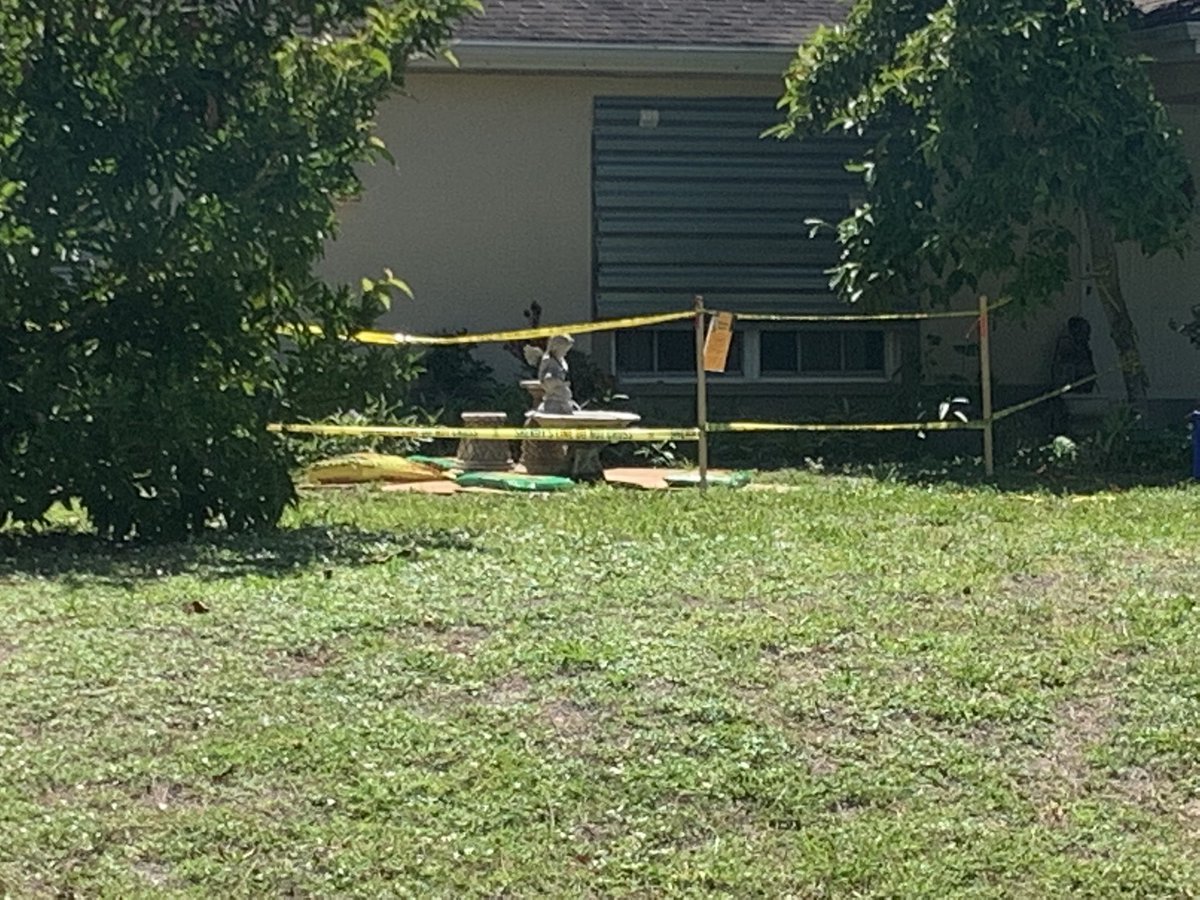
x=949 y=409
x=330 y=378
x=1108 y=445
x=1119 y=446
x=591 y=385
x=661 y=455
x=1060 y=454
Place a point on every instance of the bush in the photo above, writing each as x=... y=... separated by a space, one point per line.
x=168 y=176
x=1118 y=446
x=453 y=380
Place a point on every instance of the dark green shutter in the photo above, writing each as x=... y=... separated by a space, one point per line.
x=688 y=198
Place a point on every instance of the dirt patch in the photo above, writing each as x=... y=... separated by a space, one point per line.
x=165 y=631
x=1034 y=584
x=1189 y=815
x=108 y=795
x=462 y=640
x=1061 y=771
x=822 y=764
x=301 y=662
x=799 y=665
x=61 y=795
x=7 y=651
x=1142 y=789
x=660 y=688
x=510 y=690
x=155 y=874
x=1156 y=793
x=164 y=795
x=570 y=720
x=457 y=640
x=592 y=841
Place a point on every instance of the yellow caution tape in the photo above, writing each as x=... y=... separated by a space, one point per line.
x=363 y=337
x=750 y=427
x=418 y=432
x=1042 y=398
x=399 y=338
x=492 y=434
x=860 y=317
x=519 y=334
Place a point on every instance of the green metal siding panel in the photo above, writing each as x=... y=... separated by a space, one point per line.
x=699 y=202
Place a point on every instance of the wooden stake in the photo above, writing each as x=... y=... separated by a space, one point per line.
x=985 y=387
x=701 y=394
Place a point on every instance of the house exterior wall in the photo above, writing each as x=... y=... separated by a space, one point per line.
x=489 y=205
x=489 y=208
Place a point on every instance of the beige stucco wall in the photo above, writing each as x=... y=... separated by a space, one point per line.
x=489 y=205
x=489 y=208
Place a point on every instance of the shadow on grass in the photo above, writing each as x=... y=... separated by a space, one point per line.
x=275 y=553
x=1032 y=456
x=969 y=475
x=1019 y=481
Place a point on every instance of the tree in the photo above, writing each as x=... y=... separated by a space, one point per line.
x=169 y=171
x=992 y=128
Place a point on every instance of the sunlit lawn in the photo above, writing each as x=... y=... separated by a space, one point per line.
x=847 y=688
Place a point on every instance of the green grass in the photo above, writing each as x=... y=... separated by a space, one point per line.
x=844 y=688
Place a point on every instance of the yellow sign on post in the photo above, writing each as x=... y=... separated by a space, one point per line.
x=717 y=341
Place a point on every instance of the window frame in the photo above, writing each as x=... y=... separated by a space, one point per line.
x=673 y=375
x=752 y=359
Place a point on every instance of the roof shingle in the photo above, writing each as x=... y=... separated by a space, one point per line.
x=715 y=23
x=730 y=23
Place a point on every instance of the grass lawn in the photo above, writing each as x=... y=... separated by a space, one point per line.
x=851 y=687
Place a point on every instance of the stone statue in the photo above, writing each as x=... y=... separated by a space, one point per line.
x=552 y=374
x=554 y=407
x=1073 y=355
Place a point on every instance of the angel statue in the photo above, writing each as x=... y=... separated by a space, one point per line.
x=552 y=373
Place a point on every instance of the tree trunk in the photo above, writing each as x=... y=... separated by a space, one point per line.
x=1107 y=276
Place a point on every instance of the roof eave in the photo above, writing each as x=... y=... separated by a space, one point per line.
x=617 y=59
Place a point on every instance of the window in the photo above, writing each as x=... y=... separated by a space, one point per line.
x=863 y=351
x=676 y=351
x=778 y=353
x=635 y=352
x=668 y=353
x=822 y=352
x=812 y=353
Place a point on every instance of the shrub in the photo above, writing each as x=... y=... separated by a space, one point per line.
x=168 y=175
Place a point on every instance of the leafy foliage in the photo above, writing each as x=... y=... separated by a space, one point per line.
x=169 y=175
x=990 y=126
x=454 y=380
x=337 y=383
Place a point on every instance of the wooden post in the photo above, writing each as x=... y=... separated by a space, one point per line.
x=701 y=395
x=985 y=386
